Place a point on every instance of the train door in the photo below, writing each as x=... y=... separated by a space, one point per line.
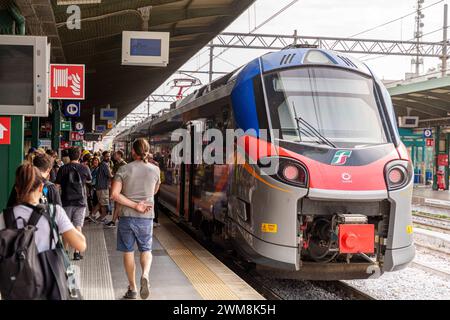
x=195 y=128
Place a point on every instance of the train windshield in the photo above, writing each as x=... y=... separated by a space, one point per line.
x=324 y=105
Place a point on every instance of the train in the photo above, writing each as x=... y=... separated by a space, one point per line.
x=336 y=206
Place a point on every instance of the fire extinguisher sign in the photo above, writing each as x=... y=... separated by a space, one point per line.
x=67 y=81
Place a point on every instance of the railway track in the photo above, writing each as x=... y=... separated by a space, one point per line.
x=332 y=289
x=431 y=269
x=431 y=222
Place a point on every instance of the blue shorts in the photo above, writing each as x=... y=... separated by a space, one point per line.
x=134 y=230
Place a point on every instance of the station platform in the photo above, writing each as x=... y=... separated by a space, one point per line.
x=427 y=200
x=181 y=269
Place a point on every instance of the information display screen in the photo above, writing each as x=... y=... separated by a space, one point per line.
x=16 y=75
x=145 y=47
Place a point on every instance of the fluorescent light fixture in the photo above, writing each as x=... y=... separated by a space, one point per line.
x=70 y=2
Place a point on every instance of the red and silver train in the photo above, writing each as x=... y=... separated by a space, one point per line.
x=338 y=205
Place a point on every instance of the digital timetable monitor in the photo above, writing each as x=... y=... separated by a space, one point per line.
x=150 y=49
x=24 y=63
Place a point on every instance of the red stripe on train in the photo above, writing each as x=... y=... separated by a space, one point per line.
x=325 y=176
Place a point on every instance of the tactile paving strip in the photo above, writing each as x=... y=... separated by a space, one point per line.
x=94 y=273
x=212 y=279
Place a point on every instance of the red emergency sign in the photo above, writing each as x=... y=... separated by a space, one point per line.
x=67 y=81
x=5 y=130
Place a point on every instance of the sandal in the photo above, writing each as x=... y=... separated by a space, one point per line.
x=130 y=295
x=145 y=291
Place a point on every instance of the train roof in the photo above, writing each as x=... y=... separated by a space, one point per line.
x=222 y=87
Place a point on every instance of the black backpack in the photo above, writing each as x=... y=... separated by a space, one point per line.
x=73 y=186
x=26 y=274
x=21 y=274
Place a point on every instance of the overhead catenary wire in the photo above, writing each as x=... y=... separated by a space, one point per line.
x=394 y=20
x=217 y=56
x=290 y=4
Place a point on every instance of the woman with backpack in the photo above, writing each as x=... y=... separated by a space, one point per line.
x=36 y=227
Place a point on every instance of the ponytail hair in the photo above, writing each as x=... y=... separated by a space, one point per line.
x=28 y=180
x=142 y=149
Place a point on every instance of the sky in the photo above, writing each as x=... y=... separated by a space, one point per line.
x=338 y=18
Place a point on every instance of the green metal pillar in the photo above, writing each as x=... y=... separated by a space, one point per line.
x=436 y=153
x=12 y=157
x=56 y=126
x=35 y=132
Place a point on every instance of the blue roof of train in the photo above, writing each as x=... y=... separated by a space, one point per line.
x=243 y=93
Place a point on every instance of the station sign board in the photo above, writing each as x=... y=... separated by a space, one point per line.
x=67 y=81
x=66 y=126
x=90 y=137
x=100 y=128
x=72 y=109
x=111 y=124
x=430 y=142
x=427 y=133
x=108 y=114
x=5 y=130
x=79 y=126
x=45 y=143
x=78 y=144
x=75 y=136
x=24 y=82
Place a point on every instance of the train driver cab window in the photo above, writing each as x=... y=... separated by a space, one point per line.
x=310 y=105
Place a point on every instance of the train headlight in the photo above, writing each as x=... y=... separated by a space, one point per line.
x=292 y=172
x=286 y=170
x=398 y=174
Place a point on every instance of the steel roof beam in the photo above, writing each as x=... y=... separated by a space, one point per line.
x=350 y=45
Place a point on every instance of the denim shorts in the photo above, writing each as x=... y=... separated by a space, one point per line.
x=134 y=230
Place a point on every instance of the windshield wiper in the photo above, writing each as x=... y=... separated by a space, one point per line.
x=302 y=122
x=315 y=132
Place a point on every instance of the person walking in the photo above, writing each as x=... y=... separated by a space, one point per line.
x=102 y=185
x=119 y=162
x=95 y=163
x=28 y=212
x=134 y=187
x=72 y=178
x=50 y=194
x=54 y=155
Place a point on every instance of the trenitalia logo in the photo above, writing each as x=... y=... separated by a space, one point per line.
x=340 y=157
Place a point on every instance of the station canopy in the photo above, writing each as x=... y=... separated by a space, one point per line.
x=98 y=44
x=429 y=100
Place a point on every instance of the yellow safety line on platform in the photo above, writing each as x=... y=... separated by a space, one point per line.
x=239 y=287
x=207 y=284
